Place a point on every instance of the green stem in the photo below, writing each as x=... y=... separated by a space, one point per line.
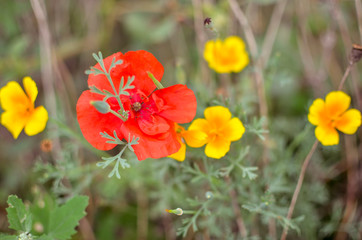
x=188 y=211
x=118 y=115
x=115 y=92
x=121 y=152
x=108 y=75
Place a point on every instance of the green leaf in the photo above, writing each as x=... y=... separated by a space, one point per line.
x=249 y=172
x=44 y=237
x=18 y=217
x=94 y=71
x=42 y=209
x=282 y=220
x=7 y=237
x=94 y=89
x=64 y=219
x=114 y=63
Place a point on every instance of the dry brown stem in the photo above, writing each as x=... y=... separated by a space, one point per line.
x=235 y=204
x=86 y=229
x=142 y=213
x=46 y=64
x=200 y=38
x=272 y=31
x=358 y=4
x=298 y=187
x=45 y=54
x=351 y=153
x=345 y=75
x=258 y=74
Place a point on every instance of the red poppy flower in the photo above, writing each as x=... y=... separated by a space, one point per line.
x=152 y=114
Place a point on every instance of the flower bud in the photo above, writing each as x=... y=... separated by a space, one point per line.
x=101 y=106
x=39 y=227
x=356 y=53
x=207 y=21
x=209 y=195
x=155 y=81
x=177 y=211
x=46 y=145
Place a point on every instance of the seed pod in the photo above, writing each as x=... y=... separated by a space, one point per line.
x=356 y=53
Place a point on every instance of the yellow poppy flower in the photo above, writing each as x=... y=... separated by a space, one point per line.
x=19 y=112
x=226 y=56
x=217 y=131
x=332 y=114
x=181 y=153
x=188 y=136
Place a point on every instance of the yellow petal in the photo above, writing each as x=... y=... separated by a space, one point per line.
x=217 y=56
x=195 y=138
x=210 y=50
x=317 y=112
x=349 y=121
x=37 y=121
x=235 y=43
x=14 y=122
x=327 y=135
x=200 y=124
x=30 y=88
x=217 y=116
x=226 y=56
x=217 y=148
x=337 y=103
x=13 y=98
x=234 y=130
x=180 y=154
x=239 y=58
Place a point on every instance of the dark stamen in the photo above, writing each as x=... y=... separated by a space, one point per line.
x=136 y=106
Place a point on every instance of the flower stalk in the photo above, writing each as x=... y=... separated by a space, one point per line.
x=298 y=187
x=118 y=115
x=355 y=56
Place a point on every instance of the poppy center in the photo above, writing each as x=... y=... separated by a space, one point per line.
x=136 y=106
x=213 y=134
x=29 y=109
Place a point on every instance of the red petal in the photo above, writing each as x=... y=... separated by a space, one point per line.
x=156 y=146
x=92 y=122
x=135 y=63
x=153 y=124
x=176 y=103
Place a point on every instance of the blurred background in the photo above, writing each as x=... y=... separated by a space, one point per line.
x=301 y=50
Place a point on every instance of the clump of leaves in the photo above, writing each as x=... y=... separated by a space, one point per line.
x=55 y=222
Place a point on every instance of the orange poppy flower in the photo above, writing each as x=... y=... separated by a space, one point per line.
x=332 y=114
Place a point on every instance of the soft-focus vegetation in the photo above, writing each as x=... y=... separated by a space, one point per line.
x=298 y=51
